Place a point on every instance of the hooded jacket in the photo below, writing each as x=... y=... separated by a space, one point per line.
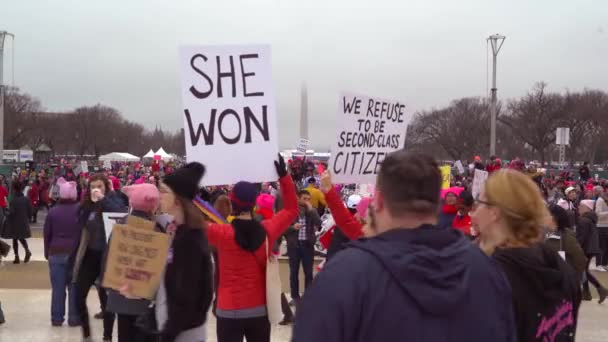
x=587 y=233
x=546 y=293
x=424 y=284
x=241 y=249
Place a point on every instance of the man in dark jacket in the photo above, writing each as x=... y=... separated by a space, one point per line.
x=587 y=236
x=300 y=244
x=412 y=281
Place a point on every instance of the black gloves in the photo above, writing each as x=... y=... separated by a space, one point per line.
x=280 y=166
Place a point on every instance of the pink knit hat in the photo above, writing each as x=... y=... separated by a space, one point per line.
x=67 y=190
x=144 y=197
x=265 y=201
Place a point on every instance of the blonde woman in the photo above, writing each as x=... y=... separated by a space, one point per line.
x=510 y=214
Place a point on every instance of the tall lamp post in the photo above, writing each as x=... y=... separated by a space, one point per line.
x=496 y=41
x=3 y=34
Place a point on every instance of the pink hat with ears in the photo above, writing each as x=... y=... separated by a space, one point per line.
x=144 y=197
x=265 y=201
x=67 y=190
x=363 y=206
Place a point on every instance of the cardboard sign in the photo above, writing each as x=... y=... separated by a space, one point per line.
x=459 y=166
x=303 y=145
x=140 y=223
x=479 y=181
x=368 y=130
x=446 y=175
x=229 y=110
x=110 y=219
x=84 y=166
x=136 y=257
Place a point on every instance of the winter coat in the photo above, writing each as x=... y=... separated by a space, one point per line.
x=566 y=241
x=17 y=223
x=423 y=284
x=34 y=195
x=61 y=229
x=313 y=222
x=601 y=209
x=587 y=234
x=446 y=216
x=91 y=222
x=347 y=227
x=242 y=274
x=188 y=283
x=462 y=223
x=546 y=293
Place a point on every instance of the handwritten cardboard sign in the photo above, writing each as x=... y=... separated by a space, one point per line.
x=136 y=257
x=110 y=219
x=368 y=130
x=140 y=223
x=229 y=109
x=479 y=181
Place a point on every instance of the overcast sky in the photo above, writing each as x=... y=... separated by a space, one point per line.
x=425 y=53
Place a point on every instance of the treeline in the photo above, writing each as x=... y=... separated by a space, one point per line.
x=88 y=130
x=526 y=127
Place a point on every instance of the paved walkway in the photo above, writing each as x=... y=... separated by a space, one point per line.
x=27 y=311
x=27 y=315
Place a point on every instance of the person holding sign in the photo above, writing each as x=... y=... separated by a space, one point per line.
x=92 y=247
x=186 y=291
x=242 y=251
x=144 y=201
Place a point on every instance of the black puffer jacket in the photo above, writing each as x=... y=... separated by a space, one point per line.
x=587 y=234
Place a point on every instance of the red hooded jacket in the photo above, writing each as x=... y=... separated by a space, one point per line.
x=242 y=283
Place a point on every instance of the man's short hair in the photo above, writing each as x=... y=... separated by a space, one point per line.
x=302 y=193
x=410 y=183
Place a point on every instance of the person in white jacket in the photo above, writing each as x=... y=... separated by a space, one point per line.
x=601 y=209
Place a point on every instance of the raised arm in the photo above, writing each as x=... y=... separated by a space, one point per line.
x=343 y=218
x=284 y=218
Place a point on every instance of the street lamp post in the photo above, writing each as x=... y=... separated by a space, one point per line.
x=496 y=41
x=3 y=35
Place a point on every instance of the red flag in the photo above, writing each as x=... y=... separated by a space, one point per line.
x=325 y=239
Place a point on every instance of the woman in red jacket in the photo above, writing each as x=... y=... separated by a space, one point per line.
x=241 y=247
x=33 y=194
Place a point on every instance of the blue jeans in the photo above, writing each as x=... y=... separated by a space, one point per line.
x=58 y=269
x=302 y=253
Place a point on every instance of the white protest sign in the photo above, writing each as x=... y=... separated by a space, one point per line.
x=107 y=164
x=110 y=219
x=229 y=111
x=77 y=170
x=479 y=181
x=368 y=130
x=459 y=166
x=303 y=145
x=84 y=166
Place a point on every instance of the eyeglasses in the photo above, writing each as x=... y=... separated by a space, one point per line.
x=478 y=201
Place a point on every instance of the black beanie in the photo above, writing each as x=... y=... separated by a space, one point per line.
x=185 y=181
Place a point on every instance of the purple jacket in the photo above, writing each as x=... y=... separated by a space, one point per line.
x=61 y=229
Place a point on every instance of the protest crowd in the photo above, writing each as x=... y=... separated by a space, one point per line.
x=394 y=245
x=409 y=257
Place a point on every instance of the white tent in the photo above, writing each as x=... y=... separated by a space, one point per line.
x=150 y=154
x=119 y=156
x=163 y=155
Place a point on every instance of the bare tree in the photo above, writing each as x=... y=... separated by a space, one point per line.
x=534 y=118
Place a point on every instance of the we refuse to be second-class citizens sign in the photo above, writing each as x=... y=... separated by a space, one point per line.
x=368 y=129
x=229 y=111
